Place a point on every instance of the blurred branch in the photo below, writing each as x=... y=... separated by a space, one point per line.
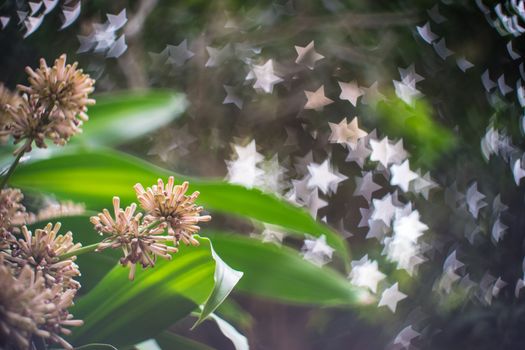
x=135 y=25
x=347 y=21
x=131 y=62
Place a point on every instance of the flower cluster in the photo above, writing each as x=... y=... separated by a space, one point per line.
x=42 y=252
x=12 y=212
x=171 y=205
x=62 y=86
x=29 y=308
x=38 y=271
x=38 y=287
x=7 y=98
x=142 y=238
x=53 y=106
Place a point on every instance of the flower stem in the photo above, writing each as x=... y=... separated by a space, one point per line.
x=15 y=163
x=11 y=169
x=87 y=249
x=150 y=226
x=39 y=343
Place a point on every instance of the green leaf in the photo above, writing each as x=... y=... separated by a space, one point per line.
x=150 y=344
x=426 y=138
x=170 y=341
x=96 y=346
x=117 y=118
x=235 y=314
x=94 y=177
x=280 y=273
x=239 y=341
x=225 y=279
x=123 y=312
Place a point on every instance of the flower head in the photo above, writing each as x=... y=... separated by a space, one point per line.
x=28 y=308
x=12 y=212
x=140 y=243
x=42 y=251
x=8 y=99
x=62 y=86
x=31 y=120
x=171 y=205
x=53 y=106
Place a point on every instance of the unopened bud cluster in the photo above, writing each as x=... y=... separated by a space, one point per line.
x=37 y=282
x=142 y=237
x=53 y=106
x=37 y=287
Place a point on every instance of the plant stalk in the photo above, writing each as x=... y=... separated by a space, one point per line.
x=27 y=146
x=12 y=167
x=150 y=226
x=87 y=249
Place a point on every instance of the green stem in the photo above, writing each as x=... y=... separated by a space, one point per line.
x=150 y=226
x=12 y=168
x=91 y=248
x=43 y=120
x=87 y=249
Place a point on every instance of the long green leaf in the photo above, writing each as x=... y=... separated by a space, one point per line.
x=280 y=273
x=121 y=117
x=94 y=177
x=170 y=341
x=123 y=312
x=273 y=272
x=116 y=119
x=239 y=341
x=231 y=311
x=150 y=344
x=96 y=346
x=225 y=279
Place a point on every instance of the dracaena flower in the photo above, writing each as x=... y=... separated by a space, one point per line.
x=171 y=205
x=8 y=99
x=140 y=243
x=42 y=251
x=29 y=308
x=53 y=106
x=61 y=86
x=12 y=212
x=33 y=121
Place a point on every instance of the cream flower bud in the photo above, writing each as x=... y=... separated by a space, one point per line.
x=171 y=205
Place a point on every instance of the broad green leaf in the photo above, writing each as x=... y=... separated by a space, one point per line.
x=231 y=311
x=123 y=312
x=150 y=344
x=94 y=177
x=225 y=279
x=416 y=126
x=170 y=341
x=269 y=271
x=280 y=273
x=96 y=346
x=116 y=119
x=239 y=341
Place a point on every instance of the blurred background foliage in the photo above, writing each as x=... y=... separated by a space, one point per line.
x=363 y=40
